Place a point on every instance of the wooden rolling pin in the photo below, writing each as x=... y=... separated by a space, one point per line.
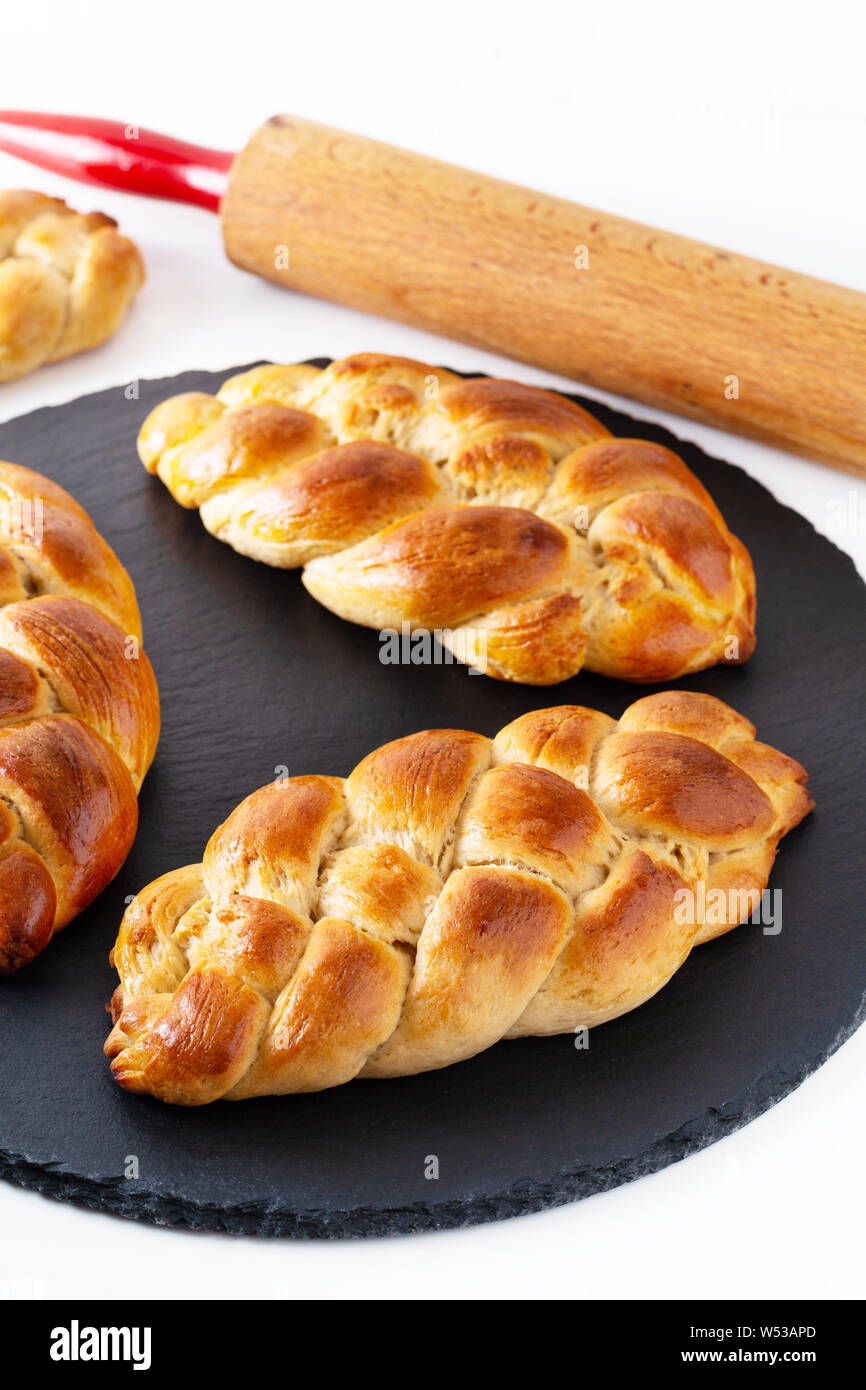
x=681 y=325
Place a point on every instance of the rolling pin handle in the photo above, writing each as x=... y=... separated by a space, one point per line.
x=117 y=155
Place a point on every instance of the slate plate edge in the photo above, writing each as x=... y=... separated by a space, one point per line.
x=522 y=1197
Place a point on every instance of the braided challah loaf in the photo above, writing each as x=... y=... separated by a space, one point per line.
x=79 y=713
x=66 y=280
x=452 y=891
x=502 y=517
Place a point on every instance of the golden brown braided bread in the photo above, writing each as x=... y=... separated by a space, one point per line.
x=500 y=516
x=66 y=280
x=79 y=713
x=452 y=891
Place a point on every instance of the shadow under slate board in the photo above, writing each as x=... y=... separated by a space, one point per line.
x=254 y=674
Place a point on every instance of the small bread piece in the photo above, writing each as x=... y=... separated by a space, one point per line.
x=452 y=891
x=66 y=280
x=500 y=516
x=79 y=713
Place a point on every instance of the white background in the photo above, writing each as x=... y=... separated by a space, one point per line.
x=742 y=124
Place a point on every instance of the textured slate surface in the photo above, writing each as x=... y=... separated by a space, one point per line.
x=254 y=675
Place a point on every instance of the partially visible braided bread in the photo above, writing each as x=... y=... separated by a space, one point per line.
x=452 y=891
x=502 y=517
x=66 y=280
x=79 y=713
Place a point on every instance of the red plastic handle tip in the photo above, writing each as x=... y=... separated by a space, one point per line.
x=117 y=155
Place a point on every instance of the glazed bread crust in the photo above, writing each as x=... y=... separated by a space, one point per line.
x=452 y=891
x=79 y=713
x=502 y=516
x=66 y=280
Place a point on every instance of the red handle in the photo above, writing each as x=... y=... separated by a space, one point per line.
x=126 y=157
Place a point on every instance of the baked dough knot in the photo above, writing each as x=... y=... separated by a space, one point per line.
x=453 y=890
x=79 y=713
x=502 y=517
x=66 y=280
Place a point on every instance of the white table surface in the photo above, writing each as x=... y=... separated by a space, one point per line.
x=741 y=124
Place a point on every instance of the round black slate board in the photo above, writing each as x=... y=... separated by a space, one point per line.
x=255 y=675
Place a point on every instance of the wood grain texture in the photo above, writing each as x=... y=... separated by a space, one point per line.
x=654 y=316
